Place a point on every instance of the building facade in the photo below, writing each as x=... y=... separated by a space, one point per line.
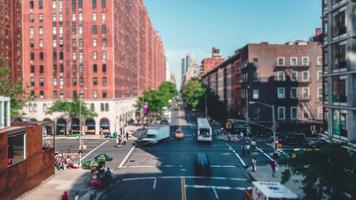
x=10 y=36
x=339 y=68
x=287 y=76
x=105 y=52
x=210 y=63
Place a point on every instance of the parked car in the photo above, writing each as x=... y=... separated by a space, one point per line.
x=297 y=139
x=202 y=164
x=178 y=134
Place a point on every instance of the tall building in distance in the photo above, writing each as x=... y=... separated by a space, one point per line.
x=106 y=52
x=10 y=36
x=210 y=63
x=287 y=76
x=339 y=68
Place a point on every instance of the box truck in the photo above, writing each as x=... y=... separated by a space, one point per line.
x=156 y=134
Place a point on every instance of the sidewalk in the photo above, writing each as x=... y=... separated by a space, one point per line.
x=264 y=173
x=72 y=181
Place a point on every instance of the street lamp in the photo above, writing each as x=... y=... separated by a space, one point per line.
x=273 y=120
x=80 y=127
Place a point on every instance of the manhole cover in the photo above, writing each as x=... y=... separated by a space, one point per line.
x=131 y=160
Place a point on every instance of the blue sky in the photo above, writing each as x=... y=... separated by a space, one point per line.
x=197 y=25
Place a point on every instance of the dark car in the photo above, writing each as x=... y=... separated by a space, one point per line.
x=202 y=164
x=294 y=139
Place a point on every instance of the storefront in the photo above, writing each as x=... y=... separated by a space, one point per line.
x=339 y=124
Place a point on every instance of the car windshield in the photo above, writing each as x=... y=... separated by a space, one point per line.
x=150 y=136
x=204 y=132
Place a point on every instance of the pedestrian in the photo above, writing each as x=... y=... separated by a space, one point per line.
x=241 y=135
x=254 y=163
x=76 y=197
x=125 y=140
x=248 y=148
x=119 y=141
x=243 y=149
x=228 y=137
x=65 y=196
x=115 y=137
x=274 y=167
x=127 y=135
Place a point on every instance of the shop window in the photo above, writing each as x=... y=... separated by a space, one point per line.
x=339 y=124
x=339 y=89
x=16 y=148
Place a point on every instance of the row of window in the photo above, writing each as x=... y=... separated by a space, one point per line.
x=293 y=114
x=32 y=107
x=294 y=61
x=281 y=93
x=55 y=94
x=281 y=75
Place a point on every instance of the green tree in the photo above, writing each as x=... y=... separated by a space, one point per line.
x=13 y=89
x=329 y=172
x=71 y=109
x=216 y=107
x=193 y=92
x=167 y=90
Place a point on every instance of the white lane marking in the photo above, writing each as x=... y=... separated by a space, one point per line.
x=237 y=155
x=126 y=157
x=260 y=150
x=178 y=177
x=94 y=149
x=279 y=150
x=154 y=183
x=216 y=194
x=216 y=187
x=222 y=166
x=151 y=166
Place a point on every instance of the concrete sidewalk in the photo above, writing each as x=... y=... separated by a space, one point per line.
x=264 y=173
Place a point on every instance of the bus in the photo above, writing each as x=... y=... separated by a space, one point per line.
x=204 y=131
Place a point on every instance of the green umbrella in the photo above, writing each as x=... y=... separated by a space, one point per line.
x=89 y=164
x=102 y=158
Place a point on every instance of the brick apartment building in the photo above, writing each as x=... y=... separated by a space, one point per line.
x=10 y=36
x=285 y=75
x=210 y=63
x=106 y=52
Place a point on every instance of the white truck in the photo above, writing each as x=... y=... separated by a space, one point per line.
x=156 y=134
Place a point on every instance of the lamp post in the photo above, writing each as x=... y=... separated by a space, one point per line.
x=80 y=128
x=273 y=120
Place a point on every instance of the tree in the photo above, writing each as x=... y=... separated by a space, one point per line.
x=167 y=90
x=217 y=108
x=329 y=172
x=193 y=92
x=12 y=89
x=71 y=109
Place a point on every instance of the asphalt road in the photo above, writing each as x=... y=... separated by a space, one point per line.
x=166 y=170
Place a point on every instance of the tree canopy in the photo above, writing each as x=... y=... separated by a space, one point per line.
x=12 y=89
x=329 y=172
x=193 y=93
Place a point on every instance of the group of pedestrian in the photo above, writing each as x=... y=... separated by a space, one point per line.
x=121 y=139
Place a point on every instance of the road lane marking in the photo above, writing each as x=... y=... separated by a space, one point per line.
x=151 y=166
x=94 y=149
x=216 y=187
x=223 y=166
x=183 y=189
x=216 y=194
x=260 y=150
x=127 y=156
x=138 y=178
x=154 y=183
x=178 y=177
x=237 y=155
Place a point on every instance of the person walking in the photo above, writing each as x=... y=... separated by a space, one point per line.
x=124 y=141
x=76 y=197
x=254 y=163
x=248 y=148
x=127 y=135
x=274 y=167
x=65 y=196
x=229 y=137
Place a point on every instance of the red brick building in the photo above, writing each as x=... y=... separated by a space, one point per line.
x=210 y=63
x=104 y=51
x=10 y=36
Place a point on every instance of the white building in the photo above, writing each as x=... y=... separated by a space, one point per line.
x=4 y=112
x=111 y=115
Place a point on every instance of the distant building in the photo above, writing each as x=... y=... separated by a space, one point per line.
x=210 y=63
x=193 y=72
x=287 y=76
x=339 y=68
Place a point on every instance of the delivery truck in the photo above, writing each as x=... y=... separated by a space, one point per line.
x=156 y=134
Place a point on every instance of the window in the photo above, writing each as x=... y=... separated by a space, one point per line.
x=74 y=56
x=40 y=43
x=54 y=17
x=80 y=4
x=102 y=107
x=32 y=5
x=281 y=76
x=281 y=113
x=32 y=43
x=95 y=81
x=40 y=4
x=55 y=95
x=281 y=93
x=305 y=93
x=339 y=25
x=95 y=94
x=104 y=94
x=94 y=29
x=106 y=107
x=255 y=94
x=32 y=18
x=293 y=113
x=293 y=93
x=61 y=82
x=32 y=31
x=305 y=115
x=80 y=17
x=32 y=69
x=41 y=94
x=92 y=107
x=94 y=42
x=104 y=55
x=54 y=30
x=54 y=43
x=339 y=89
x=319 y=75
x=40 y=17
x=339 y=56
x=41 y=69
x=95 y=68
x=103 y=17
x=54 y=82
x=103 y=29
x=93 y=3
x=94 y=17
x=104 y=81
x=103 y=43
x=320 y=92
x=319 y=61
x=41 y=82
x=41 y=56
x=305 y=61
x=103 y=3
x=294 y=76
x=104 y=68
x=81 y=56
x=40 y=30
x=294 y=61
x=95 y=55
x=305 y=76
x=280 y=61
x=320 y=112
x=32 y=56
x=17 y=146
